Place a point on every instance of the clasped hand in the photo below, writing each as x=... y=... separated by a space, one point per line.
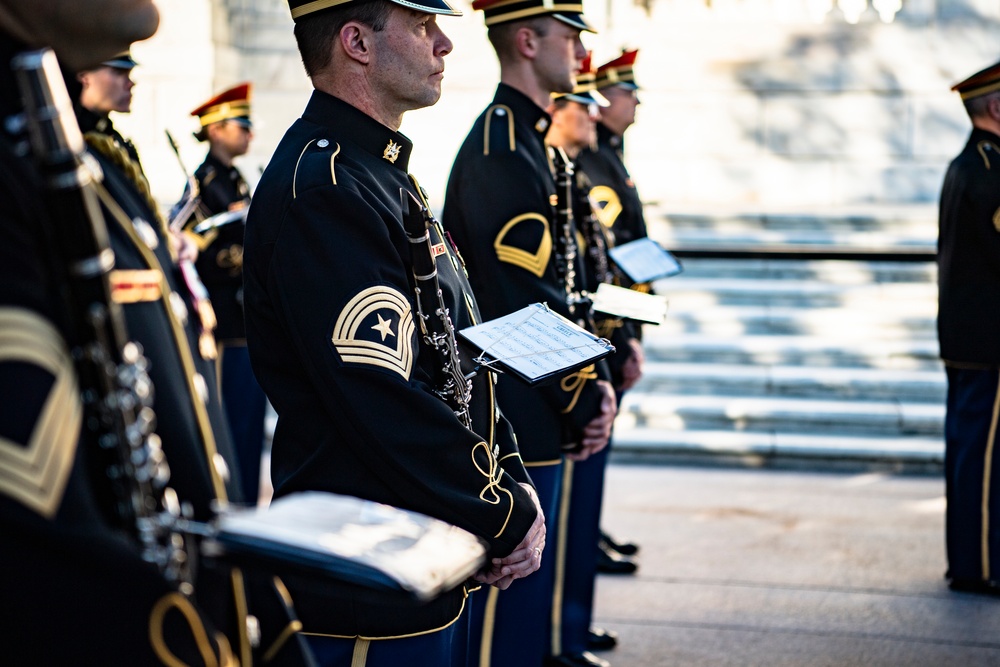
x=524 y=559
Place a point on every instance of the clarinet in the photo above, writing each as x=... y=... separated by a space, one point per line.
x=453 y=386
x=115 y=386
x=565 y=244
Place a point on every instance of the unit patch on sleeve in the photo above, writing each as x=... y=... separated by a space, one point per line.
x=376 y=328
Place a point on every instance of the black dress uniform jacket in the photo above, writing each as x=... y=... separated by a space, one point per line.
x=595 y=241
x=969 y=254
x=333 y=341
x=618 y=205
x=220 y=257
x=500 y=208
x=190 y=421
x=74 y=590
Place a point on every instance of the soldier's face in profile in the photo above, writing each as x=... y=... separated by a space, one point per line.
x=408 y=63
x=621 y=113
x=577 y=124
x=230 y=137
x=107 y=89
x=560 y=53
x=82 y=33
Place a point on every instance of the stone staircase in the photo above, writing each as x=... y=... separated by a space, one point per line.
x=769 y=358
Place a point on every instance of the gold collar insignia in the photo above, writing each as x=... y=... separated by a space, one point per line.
x=391 y=151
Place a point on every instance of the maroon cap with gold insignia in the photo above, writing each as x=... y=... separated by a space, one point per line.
x=232 y=104
x=981 y=83
x=619 y=72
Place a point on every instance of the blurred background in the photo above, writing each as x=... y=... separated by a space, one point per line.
x=747 y=105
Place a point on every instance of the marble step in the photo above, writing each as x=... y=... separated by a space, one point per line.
x=704 y=292
x=835 y=272
x=912 y=221
x=659 y=378
x=829 y=240
x=791 y=351
x=781 y=415
x=898 y=322
x=758 y=448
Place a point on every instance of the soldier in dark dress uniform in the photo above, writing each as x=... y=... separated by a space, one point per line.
x=225 y=125
x=75 y=589
x=968 y=320
x=619 y=209
x=574 y=119
x=335 y=340
x=105 y=89
x=500 y=208
x=614 y=192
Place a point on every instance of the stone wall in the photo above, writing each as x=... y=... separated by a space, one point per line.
x=750 y=105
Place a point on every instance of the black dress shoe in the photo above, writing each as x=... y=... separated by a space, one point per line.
x=624 y=548
x=974 y=586
x=609 y=562
x=599 y=639
x=585 y=659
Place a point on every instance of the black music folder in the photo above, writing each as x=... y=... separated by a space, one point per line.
x=362 y=542
x=535 y=344
x=644 y=260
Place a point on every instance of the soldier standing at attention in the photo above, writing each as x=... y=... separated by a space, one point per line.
x=76 y=587
x=105 y=89
x=613 y=189
x=501 y=209
x=336 y=339
x=225 y=125
x=574 y=119
x=619 y=209
x=968 y=319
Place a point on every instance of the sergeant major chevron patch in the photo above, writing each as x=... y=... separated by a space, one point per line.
x=376 y=328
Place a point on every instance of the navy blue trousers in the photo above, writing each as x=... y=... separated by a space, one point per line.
x=584 y=500
x=448 y=647
x=971 y=475
x=245 y=405
x=512 y=628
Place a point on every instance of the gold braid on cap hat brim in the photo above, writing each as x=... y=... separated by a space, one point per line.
x=224 y=111
x=982 y=90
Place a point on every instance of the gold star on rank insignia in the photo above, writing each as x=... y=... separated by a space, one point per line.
x=391 y=151
x=384 y=327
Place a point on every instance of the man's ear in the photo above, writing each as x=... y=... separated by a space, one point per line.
x=993 y=108
x=355 y=39
x=526 y=42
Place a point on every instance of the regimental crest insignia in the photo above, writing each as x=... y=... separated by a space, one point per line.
x=376 y=328
x=607 y=205
x=391 y=152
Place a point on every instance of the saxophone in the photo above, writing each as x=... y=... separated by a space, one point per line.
x=115 y=385
x=452 y=385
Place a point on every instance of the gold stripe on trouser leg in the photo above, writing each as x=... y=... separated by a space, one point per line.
x=560 y=574
x=240 y=602
x=489 y=621
x=360 y=656
x=987 y=470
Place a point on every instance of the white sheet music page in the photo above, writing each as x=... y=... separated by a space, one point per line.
x=629 y=304
x=536 y=343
